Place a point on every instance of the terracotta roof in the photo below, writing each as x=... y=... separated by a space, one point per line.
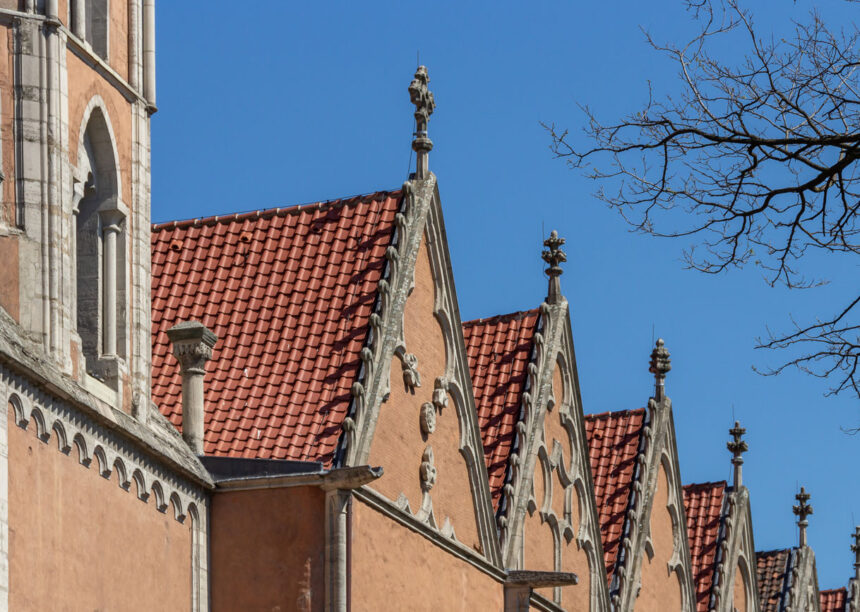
x=703 y=505
x=613 y=444
x=289 y=293
x=499 y=350
x=774 y=578
x=833 y=600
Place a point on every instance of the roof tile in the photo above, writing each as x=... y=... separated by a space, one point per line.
x=833 y=600
x=774 y=577
x=292 y=335
x=613 y=443
x=499 y=350
x=703 y=505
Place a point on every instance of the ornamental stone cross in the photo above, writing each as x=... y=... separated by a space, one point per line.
x=422 y=98
x=554 y=256
x=659 y=366
x=802 y=510
x=737 y=447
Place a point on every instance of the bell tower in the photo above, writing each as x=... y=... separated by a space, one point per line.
x=77 y=90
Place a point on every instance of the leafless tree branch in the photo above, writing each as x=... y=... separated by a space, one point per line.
x=757 y=159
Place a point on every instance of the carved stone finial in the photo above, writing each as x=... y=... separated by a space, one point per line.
x=425 y=104
x=659 y=367
x=802 y=510
x=554 y=256
x=737 y=447
x=855 y=548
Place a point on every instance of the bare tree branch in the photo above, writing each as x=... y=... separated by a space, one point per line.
x=758 y=160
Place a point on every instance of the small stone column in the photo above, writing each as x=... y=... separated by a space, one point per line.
x=111 y=229
x=192 y=346
x=79 y=19
x=149 y=51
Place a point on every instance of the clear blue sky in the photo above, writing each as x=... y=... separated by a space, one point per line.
x=274 y=103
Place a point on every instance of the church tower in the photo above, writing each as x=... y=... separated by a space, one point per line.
x=77 y=90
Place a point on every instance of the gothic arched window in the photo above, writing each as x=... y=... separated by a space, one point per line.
x=97 y=20
x=100 y=253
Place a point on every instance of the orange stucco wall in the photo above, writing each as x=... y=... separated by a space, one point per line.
x=383 y=549
x=84 y=83
x=661 y=590
x=118 y=37
x=739 y=592
x=78 y=541
x=268 y=550
x=399 y=443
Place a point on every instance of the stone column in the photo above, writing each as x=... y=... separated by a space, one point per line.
x=336 y=552
x=149 y=51
x=192 y=345
x=77 y=196
x=51 y=9
x=79 y=19
x=112 y=228
x=134 y=44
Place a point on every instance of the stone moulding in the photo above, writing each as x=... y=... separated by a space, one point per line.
x=92 y=442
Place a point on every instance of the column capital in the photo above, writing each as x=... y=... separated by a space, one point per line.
x=192 y=345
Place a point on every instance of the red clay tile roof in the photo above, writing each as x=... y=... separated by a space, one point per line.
x=833 y=600
x=613 y=444
x=289 y=293
x=499 y=350
x=774 y=578
x=703 y=505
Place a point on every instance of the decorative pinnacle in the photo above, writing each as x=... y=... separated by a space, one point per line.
x=422 y=98
x=802 y=510
x=554 y=256
x=660 y=366
x=737 y=447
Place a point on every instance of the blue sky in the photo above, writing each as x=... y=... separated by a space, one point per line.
x=289 y=103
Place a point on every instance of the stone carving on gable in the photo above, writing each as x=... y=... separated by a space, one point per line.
x=409 y=365
x=428 y=470
x=427 y=418
x=440 y=393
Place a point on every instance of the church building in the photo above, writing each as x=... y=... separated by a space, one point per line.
x=283 y=410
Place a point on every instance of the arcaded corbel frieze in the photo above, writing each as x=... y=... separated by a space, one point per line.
x=100 y=450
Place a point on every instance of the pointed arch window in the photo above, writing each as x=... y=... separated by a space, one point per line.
x=100 y=253
x=91 y=22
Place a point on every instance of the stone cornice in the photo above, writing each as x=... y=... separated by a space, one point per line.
x=164 y=444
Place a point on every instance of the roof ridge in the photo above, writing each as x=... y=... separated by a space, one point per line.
x=774 y=550
x=614 y=413
x=519 y=315
x=703 y=485
x=837 y=589
x=272 y=212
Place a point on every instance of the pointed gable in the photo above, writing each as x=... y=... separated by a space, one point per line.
x=289 y=293
x=834 y=600
x=773 y=571
x=614 y=440
x=703 y=505
x=499 y=351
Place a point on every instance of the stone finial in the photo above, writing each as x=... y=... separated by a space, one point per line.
x=737 y=447
x=659 y=366
x=422 y=98
x=802 y=510
x=554 y=256
x=192 y=347
x=855 y=548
